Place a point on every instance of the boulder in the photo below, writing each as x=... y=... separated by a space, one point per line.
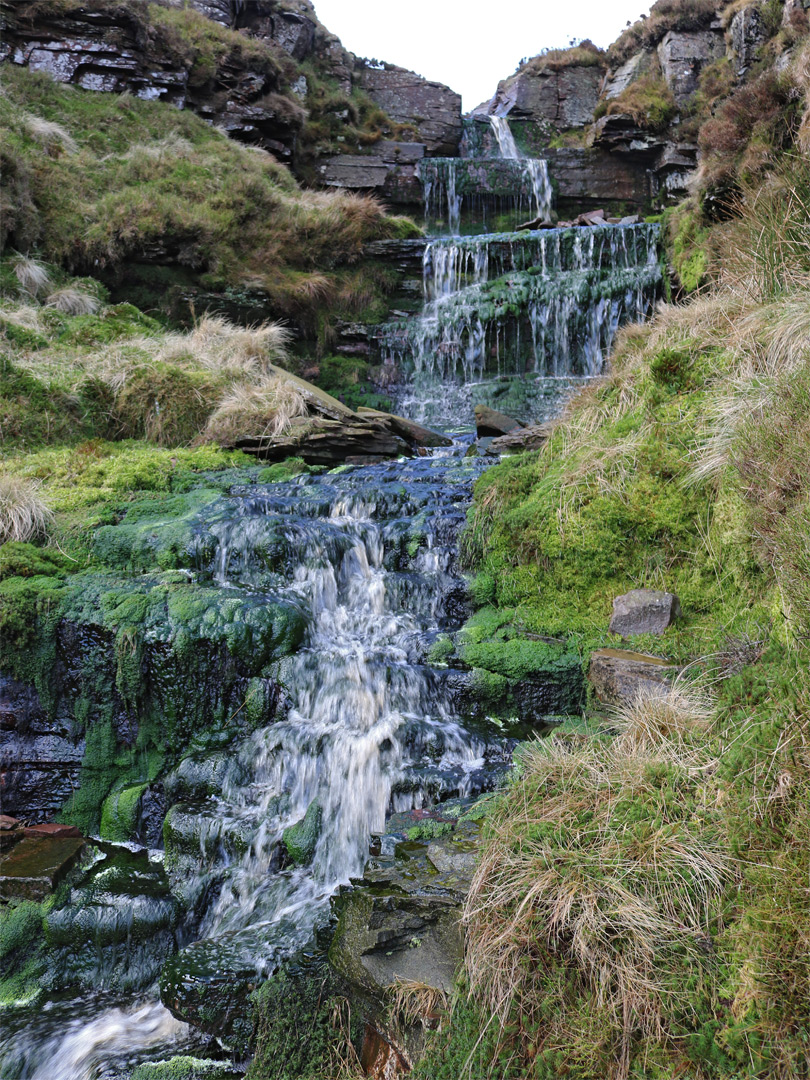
x=644 y=611
x=491 y=422
x=619 y=677
x=415 y=434
x=301 y=839
x=521 y=440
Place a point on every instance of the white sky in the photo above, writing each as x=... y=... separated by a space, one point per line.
x=469 y=44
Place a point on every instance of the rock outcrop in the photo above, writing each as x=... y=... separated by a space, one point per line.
x=433 y=109
x=644 y=611
x=558 y=99
x=40 y=760
x=619 y=677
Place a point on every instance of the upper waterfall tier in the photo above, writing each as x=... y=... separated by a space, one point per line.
x=473 y=195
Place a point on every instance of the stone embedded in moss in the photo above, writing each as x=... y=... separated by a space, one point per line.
x=301 y=839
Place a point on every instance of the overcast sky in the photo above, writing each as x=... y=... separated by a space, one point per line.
x=469 y=44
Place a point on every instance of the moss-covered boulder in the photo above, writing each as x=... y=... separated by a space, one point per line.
x=301 y=839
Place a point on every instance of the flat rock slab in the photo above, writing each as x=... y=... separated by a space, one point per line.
x=620 y=678
x=35 y=866
x=520 y=440
x=54 y=829
x=644 y=611
x=491 y=422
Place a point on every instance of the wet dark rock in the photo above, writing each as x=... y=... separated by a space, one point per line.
x=33 y=868
x=644 y=611
x=620 y=678
x=320 y=441
x=40 y=759
x=490 y=422
x=118 y=926
x=415 y=434
x=301 y=839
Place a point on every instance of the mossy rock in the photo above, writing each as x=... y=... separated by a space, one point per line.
x=119 y=813
x=301 y=839
x=296 y=1017
x=184 y=1068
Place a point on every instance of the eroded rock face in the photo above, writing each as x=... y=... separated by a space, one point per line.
x=562 y=99
x=39 y=758
x=433 y=109
x=683 y=55
x=116 y=49
x=748 y=34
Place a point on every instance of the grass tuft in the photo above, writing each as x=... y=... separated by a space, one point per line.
x=24 y=515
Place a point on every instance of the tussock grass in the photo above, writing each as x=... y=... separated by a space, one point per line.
x=31 y=273
x=583 y=867
x=262 y=411
x=73 y=301
x=24 y=515
x=51 y=135
x=146 y=176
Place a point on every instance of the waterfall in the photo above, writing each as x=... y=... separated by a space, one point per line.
x=369 y=728
x=524 y=308
x=536 y=169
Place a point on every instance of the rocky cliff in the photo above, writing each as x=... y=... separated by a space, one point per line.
x=268 y=73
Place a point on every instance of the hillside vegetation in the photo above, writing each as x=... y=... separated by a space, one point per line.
x=642 y=907
x=99 y=182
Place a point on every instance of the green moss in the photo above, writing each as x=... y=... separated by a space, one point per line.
x=301 y=839
x=119 y=813
x=687 y=238
x=300 y=1024
x=430 y=830
x=183 y=1068
x=20 y=952
x=283 y=470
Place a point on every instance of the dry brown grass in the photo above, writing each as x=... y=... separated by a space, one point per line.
x=263 y=411
x=570 y=876
x=24 y=515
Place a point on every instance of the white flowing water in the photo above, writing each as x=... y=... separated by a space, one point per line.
x=515 y=320
x=368 y=729
x=536 y=169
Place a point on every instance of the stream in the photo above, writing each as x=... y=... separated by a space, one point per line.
x=367 y=727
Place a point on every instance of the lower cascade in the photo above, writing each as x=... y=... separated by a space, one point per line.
x=366 y=728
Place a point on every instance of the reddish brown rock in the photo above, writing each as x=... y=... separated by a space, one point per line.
x=34 y=867
x=53 y=829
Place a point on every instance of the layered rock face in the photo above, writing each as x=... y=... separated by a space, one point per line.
x=116 y=49
x=241 y=74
